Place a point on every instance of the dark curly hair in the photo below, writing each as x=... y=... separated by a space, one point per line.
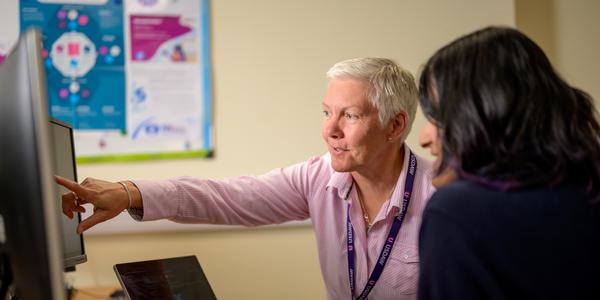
x=506 y=118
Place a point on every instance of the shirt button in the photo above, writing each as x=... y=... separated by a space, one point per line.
x=405 y=256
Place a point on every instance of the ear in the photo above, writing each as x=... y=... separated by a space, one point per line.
x=397 y=127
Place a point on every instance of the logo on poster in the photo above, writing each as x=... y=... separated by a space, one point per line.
x=151 y=128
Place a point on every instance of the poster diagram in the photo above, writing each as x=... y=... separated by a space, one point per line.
x=84 y=59
x=131 y=77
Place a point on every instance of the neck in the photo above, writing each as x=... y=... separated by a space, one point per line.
x=376 y=184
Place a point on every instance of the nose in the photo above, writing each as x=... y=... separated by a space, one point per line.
x=331 y=129
x=427 y=135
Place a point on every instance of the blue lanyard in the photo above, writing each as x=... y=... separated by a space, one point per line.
x=389 y=242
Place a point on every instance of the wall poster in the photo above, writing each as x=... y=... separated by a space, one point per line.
x=132 y=77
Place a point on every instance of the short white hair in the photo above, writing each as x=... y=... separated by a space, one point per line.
x=392 y=88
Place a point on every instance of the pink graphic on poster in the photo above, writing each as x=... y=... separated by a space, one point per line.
x=148 y=33
x=2 y=57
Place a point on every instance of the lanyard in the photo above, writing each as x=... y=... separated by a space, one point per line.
x=389 y=242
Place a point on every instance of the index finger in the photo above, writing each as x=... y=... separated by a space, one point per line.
x=71 y=185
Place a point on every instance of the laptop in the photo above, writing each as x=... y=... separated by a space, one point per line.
x=177 y=278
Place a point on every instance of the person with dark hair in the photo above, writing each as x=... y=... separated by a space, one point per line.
x=516 y=212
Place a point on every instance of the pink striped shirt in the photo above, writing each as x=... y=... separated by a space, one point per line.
x=307 y=190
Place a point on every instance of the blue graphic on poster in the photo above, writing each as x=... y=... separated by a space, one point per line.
x=84 y=58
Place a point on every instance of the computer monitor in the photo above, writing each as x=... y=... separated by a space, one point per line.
x=64 y=160
x=31 y=248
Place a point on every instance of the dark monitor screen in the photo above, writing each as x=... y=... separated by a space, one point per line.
x=64 y=161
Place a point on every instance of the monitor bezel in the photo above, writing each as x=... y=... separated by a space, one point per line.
x=32 y=184
x=71 y=262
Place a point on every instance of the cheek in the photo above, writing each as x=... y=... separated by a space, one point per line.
x=435 y=139
x=325 y=130
x=356 y=139
x=437 y=145
x=369 y=144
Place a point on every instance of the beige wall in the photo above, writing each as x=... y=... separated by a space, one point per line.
x=269 y=62
x=569 y=32
x=270 y=57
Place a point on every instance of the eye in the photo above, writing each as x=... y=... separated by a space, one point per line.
x=326 y=114
x=351 y=116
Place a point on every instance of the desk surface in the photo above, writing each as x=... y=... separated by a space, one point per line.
x=94 y=293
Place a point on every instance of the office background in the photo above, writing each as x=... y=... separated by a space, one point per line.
x=269 y=61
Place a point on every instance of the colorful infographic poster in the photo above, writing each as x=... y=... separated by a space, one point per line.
x=84 y=58
x=169 y=89
x=132 y=77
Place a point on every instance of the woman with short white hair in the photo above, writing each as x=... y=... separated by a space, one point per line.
x=364 y=197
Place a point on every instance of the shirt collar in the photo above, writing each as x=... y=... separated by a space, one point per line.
x=342 y=182
x=397 y=197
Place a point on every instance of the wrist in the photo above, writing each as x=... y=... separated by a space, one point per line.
x=134 y=195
